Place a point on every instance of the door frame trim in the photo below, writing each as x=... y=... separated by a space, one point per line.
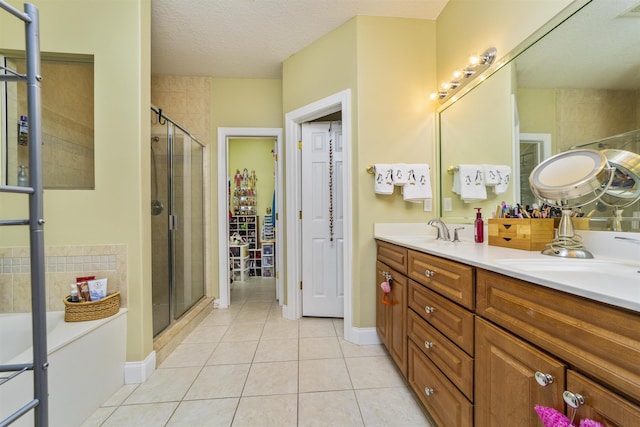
x=340 y=101
x=224 y=134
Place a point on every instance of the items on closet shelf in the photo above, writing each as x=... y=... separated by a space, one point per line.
x=418 y=186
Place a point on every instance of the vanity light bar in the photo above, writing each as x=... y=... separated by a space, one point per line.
x=476 y=65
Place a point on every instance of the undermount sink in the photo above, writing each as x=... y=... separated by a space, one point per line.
x=577 y=270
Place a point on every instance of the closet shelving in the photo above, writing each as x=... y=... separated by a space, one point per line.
x=39 y=365
x=246 y=228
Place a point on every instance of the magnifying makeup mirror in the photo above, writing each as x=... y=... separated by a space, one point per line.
x=568 y=180
x=625 y=187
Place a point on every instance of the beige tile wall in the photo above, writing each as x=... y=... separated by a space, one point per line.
x=62 y=265
x=187 y=100
x=589 y=114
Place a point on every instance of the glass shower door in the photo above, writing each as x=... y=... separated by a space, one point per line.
x=187 y=222
x=177 y=209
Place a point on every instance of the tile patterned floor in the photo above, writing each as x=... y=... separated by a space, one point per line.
x=247 y=366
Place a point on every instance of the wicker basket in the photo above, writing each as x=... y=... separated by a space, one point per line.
x=92 y=310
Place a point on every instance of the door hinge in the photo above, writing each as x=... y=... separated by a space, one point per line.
x=300 y=214
x=277 y=274
x=276 y=216
x=299 y=145
x=300 y=284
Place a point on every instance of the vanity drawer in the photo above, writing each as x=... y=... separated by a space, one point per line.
x=446 y=404
x=448 y=278
x=598 y=339
x=455 y=363
x=450 y=319
x=392 y=255
x=601 y=404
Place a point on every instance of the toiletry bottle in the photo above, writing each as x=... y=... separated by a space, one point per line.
x=478 y=227
x=23 y=180
x=74 y=293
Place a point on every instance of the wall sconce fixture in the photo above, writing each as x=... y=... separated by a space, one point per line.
x=477 y=64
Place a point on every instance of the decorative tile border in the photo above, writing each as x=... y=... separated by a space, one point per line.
x=62 y=265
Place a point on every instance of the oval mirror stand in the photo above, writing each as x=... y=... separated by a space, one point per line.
x=625 y=188
x=568 y=180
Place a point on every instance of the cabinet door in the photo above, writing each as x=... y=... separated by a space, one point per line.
x=391 y=319
x=600 y=404
x=382 y=311
x=505 y=387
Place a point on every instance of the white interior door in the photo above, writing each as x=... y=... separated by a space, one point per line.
x=322 y=220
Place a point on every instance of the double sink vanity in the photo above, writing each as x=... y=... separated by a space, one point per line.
x=483 y=333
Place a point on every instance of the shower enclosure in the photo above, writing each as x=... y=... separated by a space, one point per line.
x=177 y=220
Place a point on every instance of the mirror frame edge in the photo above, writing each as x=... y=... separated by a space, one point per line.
x=566 y=13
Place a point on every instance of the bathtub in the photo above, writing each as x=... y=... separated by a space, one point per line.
x=86 y=361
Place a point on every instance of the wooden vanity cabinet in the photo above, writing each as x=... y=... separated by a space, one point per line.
x=482 y=349
x=391 y=323
x=594 y=340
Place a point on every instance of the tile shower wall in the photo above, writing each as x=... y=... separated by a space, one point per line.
x=585 y=115
x=62 y=265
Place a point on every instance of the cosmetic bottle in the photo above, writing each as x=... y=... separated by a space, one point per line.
x=478 y=227
x=74 y=294
x=23 y=179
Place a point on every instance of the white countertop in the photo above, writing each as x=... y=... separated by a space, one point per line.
x=611 y=277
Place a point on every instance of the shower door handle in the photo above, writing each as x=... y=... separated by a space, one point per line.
x=173 y=222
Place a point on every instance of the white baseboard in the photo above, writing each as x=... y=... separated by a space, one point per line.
x=139 y=372
x=363 y=336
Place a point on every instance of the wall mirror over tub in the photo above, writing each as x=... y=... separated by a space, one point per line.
x=572 y=85
x=67 y=122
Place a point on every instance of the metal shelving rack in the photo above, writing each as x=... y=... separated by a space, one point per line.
x=39 y=403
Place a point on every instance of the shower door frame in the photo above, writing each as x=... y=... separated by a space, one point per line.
x=172 y=218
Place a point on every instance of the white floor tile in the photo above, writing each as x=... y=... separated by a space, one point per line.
x=204 y=413
x=267 y=411
x=248 y=366
x=329 y=408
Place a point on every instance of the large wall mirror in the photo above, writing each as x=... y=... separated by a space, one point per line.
x=577 y=86
x=67 y=122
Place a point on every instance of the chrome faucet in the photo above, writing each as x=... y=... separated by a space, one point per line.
x=443 y=231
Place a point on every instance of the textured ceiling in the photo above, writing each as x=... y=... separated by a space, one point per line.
x=251 y=38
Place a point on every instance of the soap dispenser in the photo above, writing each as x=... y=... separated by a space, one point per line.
x=23 y=179
x=478 y=227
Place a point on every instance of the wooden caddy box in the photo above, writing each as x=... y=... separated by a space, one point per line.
x=524 y=234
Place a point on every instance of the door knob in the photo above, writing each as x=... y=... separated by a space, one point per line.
x=429 y=391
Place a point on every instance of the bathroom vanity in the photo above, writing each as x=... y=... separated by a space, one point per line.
x=483 y=334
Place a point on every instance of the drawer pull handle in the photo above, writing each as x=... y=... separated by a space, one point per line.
x=543 y=379
x=428 y=309
x=429 y=391
x=428 y=344
x=575 y=400
x=429 y=273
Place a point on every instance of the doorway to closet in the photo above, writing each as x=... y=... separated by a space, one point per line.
x=248 y=208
